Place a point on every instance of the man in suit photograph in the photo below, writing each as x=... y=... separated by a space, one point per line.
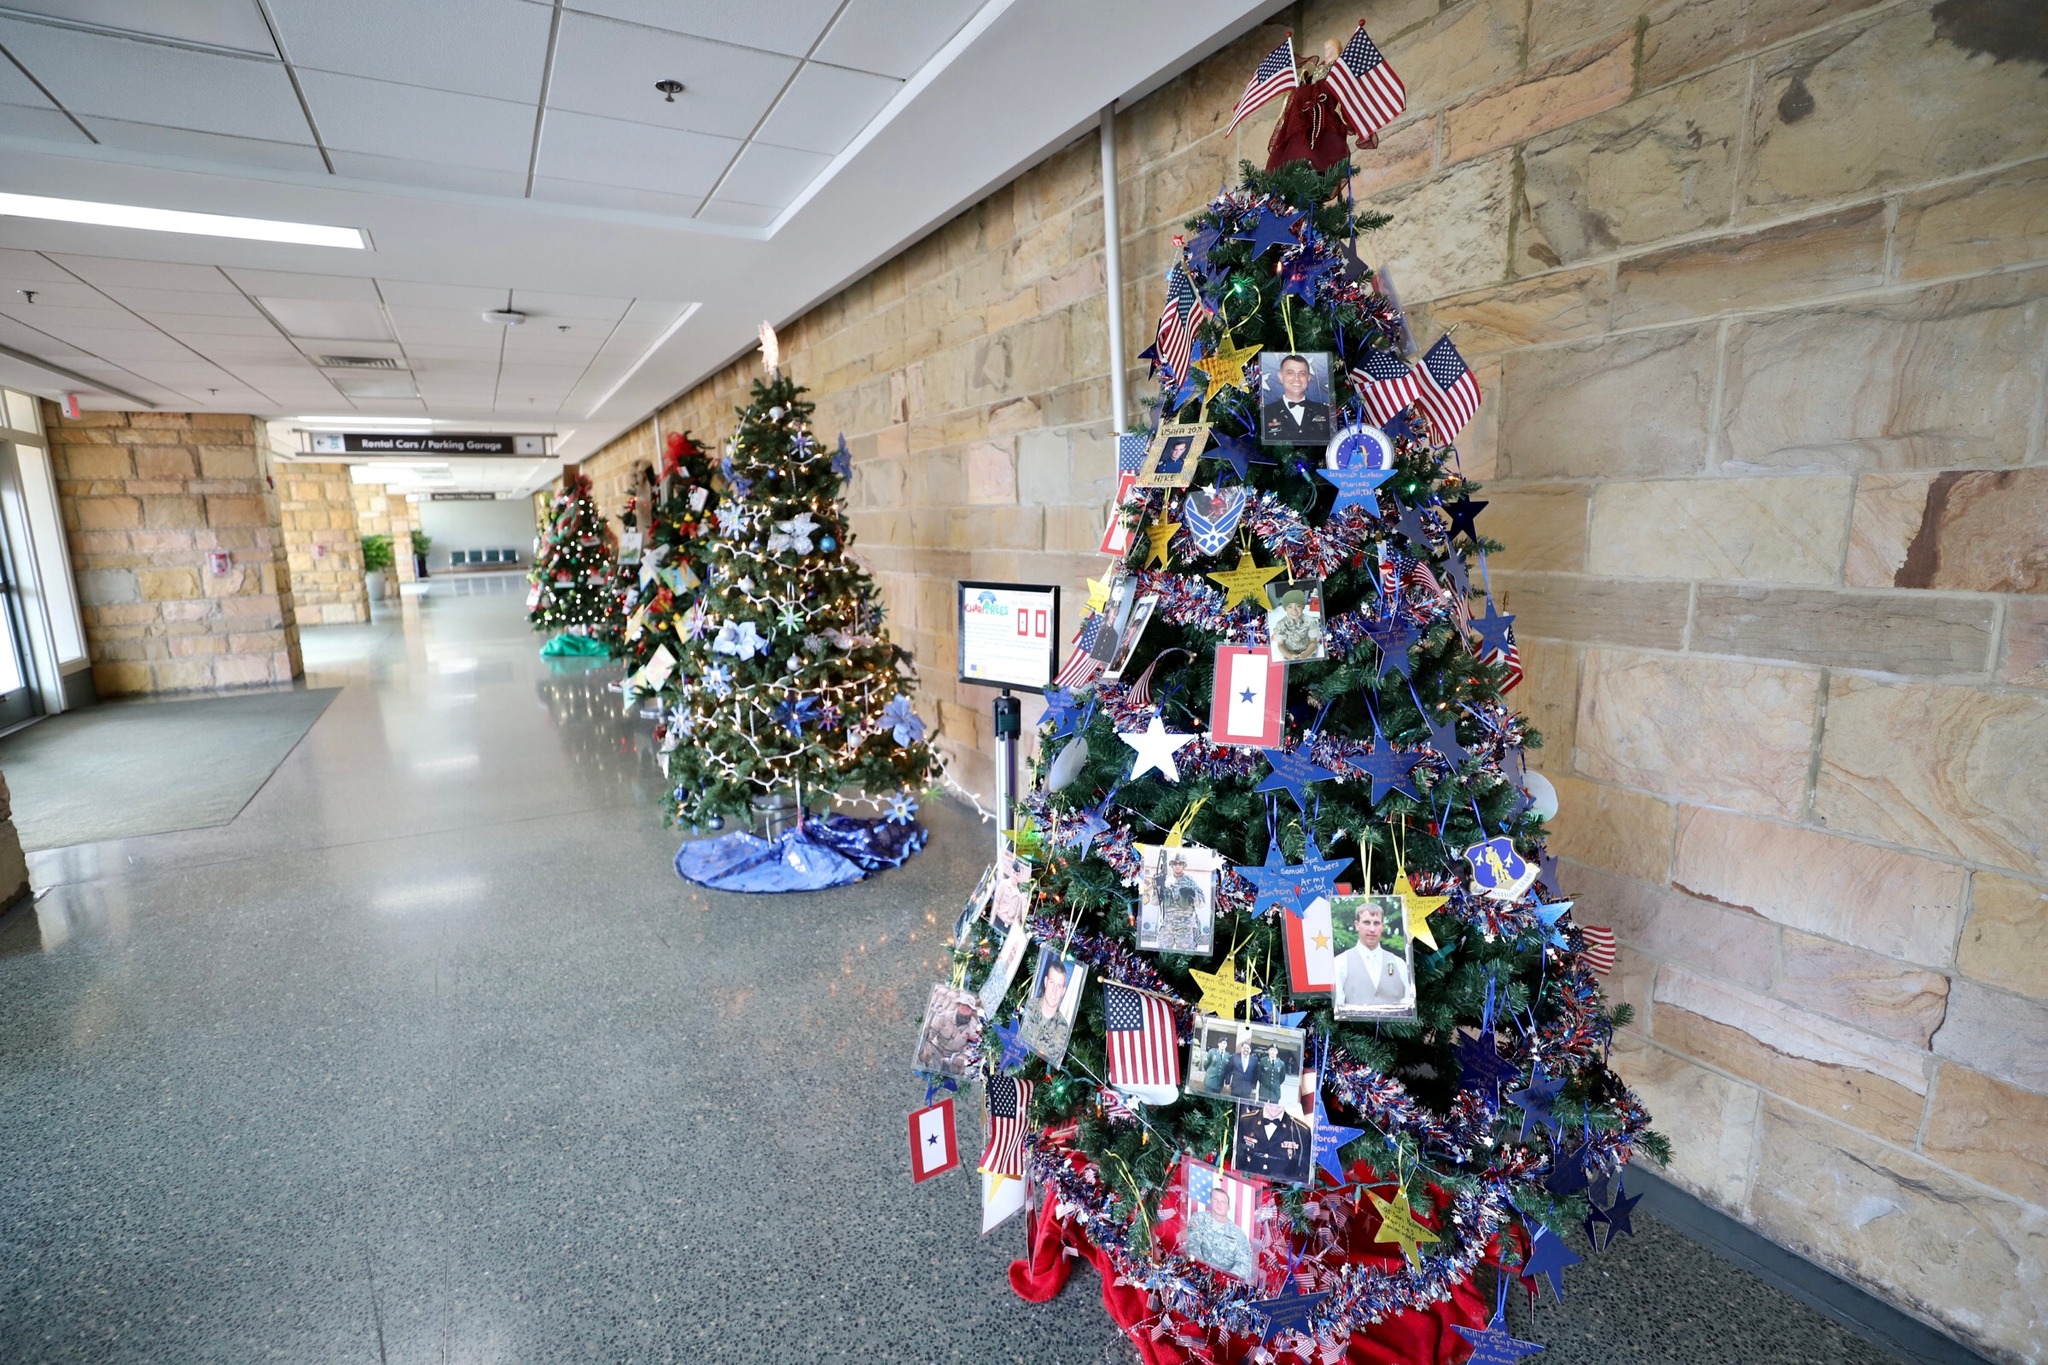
x=1368 y=976
x=1293 y=418
x=1242 y=1080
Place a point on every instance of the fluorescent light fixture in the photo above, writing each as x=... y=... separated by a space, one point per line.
x=177 y=220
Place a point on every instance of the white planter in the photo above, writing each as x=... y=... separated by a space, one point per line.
x=374 y=582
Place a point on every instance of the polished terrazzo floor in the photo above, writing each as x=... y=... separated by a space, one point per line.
x=429 y=1056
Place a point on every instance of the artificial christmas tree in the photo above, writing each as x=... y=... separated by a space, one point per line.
x=572 y=593
x=656 y=597
x=1310 y=1034
x=791 y=690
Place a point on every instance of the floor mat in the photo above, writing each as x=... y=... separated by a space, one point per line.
x=120 y=769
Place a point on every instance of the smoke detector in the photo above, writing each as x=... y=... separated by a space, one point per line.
x=505 y=317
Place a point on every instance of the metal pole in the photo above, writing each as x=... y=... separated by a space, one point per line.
x=1112 y=272
x=1009 y=724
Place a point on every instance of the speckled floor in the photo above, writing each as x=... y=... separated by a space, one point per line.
x=429 y=1056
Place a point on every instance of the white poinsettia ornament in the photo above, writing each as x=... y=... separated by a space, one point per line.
x=793 y=535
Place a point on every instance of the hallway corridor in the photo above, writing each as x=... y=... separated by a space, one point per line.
x=429 y=1056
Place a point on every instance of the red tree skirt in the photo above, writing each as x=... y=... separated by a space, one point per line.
x=1417 y=1337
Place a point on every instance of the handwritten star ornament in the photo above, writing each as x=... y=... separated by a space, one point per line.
x=1247 y=581
x=1398 y=1224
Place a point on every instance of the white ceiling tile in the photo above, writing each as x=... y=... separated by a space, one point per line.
x=222 y=349
x=27 y=267
x=110 y=272
x=221 y=23
x=202 y=145
x=326 y=317
x=472 y=338
x=467 y=299
x=602 y=151
x=478 y=47
x=255 y=326
x=90 y=73
x=435 y=175
x=18 y=120
x=771 y=175
x=785 y=26
x=56 y=318
x=214 y=302
x=894 y=37
x=122 y=345
x=615 y=197
x=609 y=69
x=296 y=284
x=723 y=210
x=359 y=115
x=372 y=384
x=825 y=106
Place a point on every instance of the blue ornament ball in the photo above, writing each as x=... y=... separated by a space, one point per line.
x=716 y=822
x=828 y=543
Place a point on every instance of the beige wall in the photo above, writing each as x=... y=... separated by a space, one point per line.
x=1755 y=290
x=379 y=513
x=317 y=509
x=146 y=496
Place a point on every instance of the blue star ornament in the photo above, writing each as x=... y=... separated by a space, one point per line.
x=1013 y=1052
x=1395 y=637
x=1463 y=513
x=1480 y=1065
x=1091 y=828
x=1388 y=770
x=1303 y=276
x=1063 y=709
x=1535 y=1099
x=1492 y=628
x=1494 y=1345
x=1314 y=876
x=1356 y=486
x=1568 y=1175
x=1548 y=915
x=1618 y=1215
x=1271 y=230
x=1549 y=1257
x=1201 y=244
x=1443 y=737
x=1293 y=770
x=1271 y=883
x=1287 y=1312
x=1330 y=1139
x=1411 y=525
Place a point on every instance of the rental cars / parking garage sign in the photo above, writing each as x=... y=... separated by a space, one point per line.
x=425 y=443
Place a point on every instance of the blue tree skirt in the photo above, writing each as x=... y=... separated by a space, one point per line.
x=827 y=851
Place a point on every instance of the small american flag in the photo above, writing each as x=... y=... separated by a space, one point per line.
x=1009 y=1102
x=1275 y=76
x=1599 y=950
x=1081 y=667
x=1143 y=1049
x=1511 y=657
x=1182 y=313
x=1386 y=384
x=1450 y=395
x=1367 y=89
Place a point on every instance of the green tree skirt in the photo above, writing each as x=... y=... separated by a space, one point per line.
x=569 y=645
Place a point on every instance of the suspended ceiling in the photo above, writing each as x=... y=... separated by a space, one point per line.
x=509 y=154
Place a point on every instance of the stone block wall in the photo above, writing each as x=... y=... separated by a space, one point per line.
x=14 y=884
x=1755 y=290
x=146 y=497
x=317 y=509
x=379 y=513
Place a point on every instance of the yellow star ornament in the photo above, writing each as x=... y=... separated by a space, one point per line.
x=1156 y=537
x=1222 y=992
x=1247 y=581
x=1226 y=368
x=1398 y=1224
x=1098 y=593
x=1417 y=908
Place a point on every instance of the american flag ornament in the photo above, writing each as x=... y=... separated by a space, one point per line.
x=1178 y=318
x=1275 y=77
x=1081 y=666
x=1144 y=1050
x=1386 y=384
x=1367 y=89
x=1450 y=395
x=1009 y=1101
x=1599 y=950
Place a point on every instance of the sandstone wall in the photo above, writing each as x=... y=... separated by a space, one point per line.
x=317 y=509
x=1755 y=291
x=146 y=497
x=379 y=513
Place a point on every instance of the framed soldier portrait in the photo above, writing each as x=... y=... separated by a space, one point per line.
x=1175 y=451
x=1273 y=1144
x=1294 y=398
x=1177 y=899
x=1375 y=959
x=1052 y=1004
x=1010 y=896
x=977 y=902
x=1246 y=1063
x=1295 y=632
x=1129 y=634
x=1225 y=1219
x=952 y=1025
x=1003 y=970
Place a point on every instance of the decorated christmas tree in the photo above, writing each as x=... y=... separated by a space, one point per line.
x=659 y=592
x=791 y=691
x=1283 y=980
x=572 y=594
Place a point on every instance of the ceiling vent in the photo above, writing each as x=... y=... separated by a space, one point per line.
x=357 y=362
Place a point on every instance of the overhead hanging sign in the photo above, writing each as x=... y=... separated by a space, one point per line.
x=425 y=443
x=462 y=497
x=1008 y=633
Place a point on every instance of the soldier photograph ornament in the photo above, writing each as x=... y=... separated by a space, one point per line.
x=1177 y=899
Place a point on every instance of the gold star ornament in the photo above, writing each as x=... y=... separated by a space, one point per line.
x=1417 y=908
x=1098 y=593
x=1247 y=581
x=1226 y=368
x=1156 y=537
x=1398 y=1224
x=1222 y=992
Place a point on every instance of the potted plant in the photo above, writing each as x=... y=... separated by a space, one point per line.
x=378 y=562
x=421 y=543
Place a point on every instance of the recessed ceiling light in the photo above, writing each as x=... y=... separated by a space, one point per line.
x=177 y=220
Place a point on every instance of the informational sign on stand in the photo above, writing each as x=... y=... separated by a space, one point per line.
x=1009 y=635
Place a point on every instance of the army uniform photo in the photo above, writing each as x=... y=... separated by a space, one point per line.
x=1177 y=899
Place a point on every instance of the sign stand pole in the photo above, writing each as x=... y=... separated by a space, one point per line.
x=1009 y=724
